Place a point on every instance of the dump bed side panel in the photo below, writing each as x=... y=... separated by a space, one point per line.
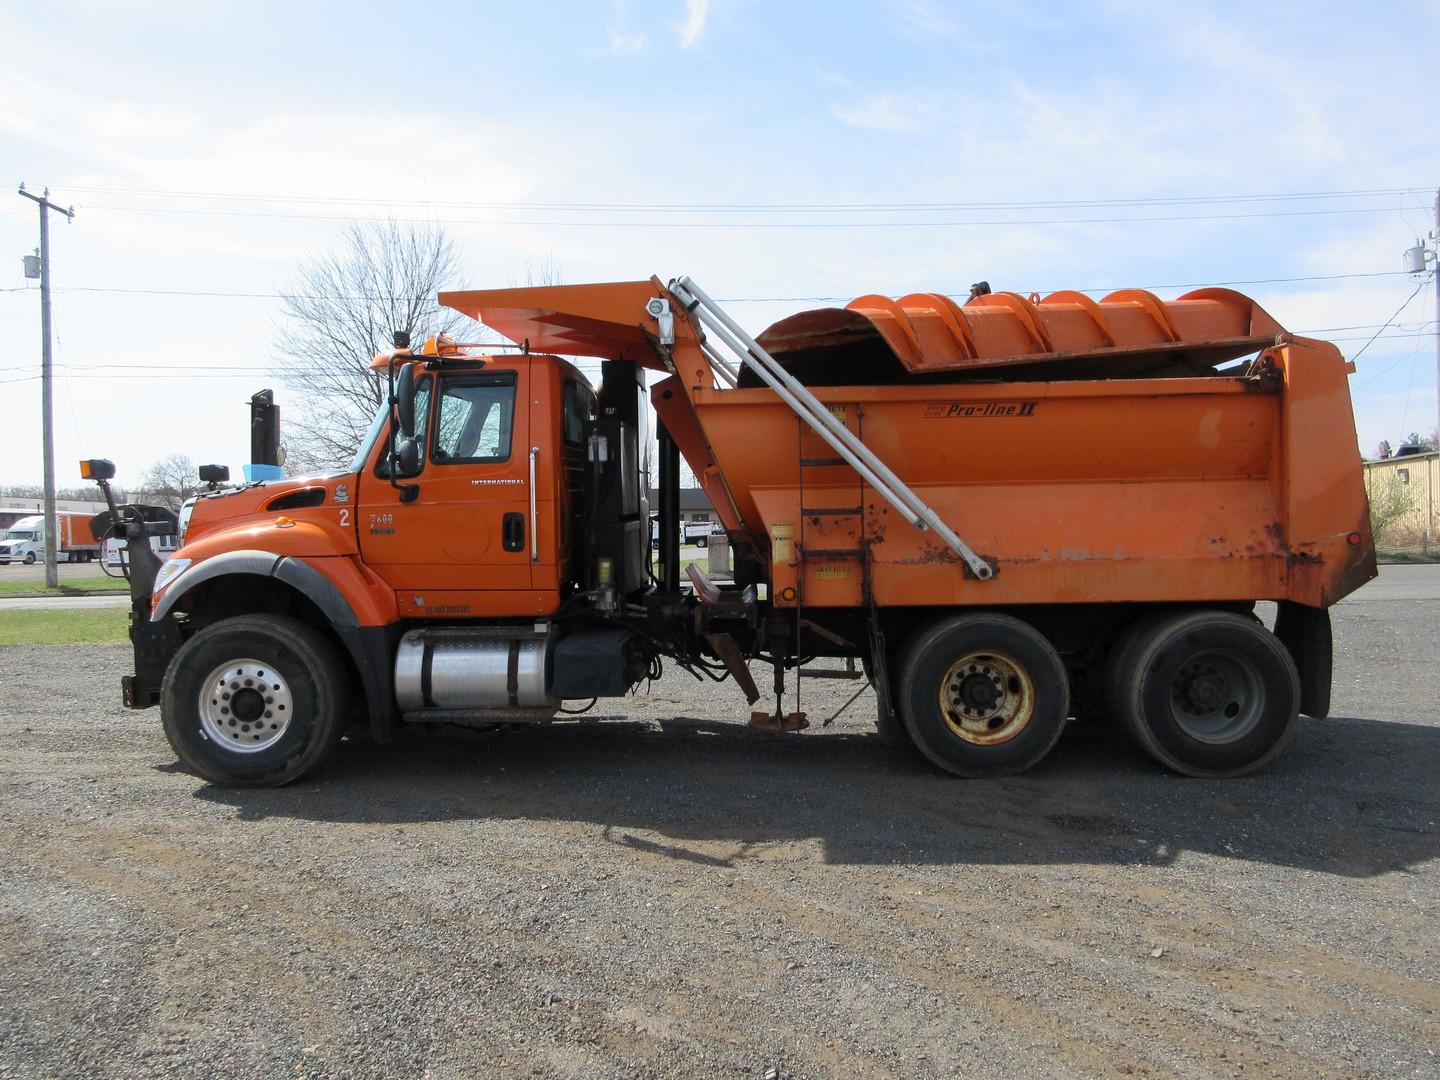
x=1161 y=490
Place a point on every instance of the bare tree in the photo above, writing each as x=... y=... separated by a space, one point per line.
x=547 y=271
x=169 y=482
x=343 y=309
x=75 y=494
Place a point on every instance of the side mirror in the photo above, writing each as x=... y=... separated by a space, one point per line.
x=405 y=400
x=408 y=457
x=214 y=474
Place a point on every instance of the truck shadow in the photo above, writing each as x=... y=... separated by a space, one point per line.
x=1352 y=797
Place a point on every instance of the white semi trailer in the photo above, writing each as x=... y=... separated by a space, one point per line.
x=24 y=540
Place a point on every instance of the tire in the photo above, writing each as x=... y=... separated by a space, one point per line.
x=1207 y=693
x=29 y=558
x=1004 y=690
x=298 y=671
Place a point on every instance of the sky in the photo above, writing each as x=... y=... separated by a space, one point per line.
x=772 y=151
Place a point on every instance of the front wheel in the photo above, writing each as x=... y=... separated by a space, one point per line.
x=255 y=700
x=29 y=558
x=1207 y=693
x=983 y=695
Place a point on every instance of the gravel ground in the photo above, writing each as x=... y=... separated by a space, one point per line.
x=669 y=893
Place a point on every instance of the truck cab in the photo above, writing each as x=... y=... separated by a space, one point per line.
x=23 y=542
x=492 y=491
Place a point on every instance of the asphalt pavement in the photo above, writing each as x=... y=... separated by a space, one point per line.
x=35 y=572
x=63 y=603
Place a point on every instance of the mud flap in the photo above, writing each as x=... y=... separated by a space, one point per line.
x=1305 y=631
x=153 y=644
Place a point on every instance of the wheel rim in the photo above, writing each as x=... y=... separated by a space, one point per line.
x=1217 y=697
x=987 y=698
x=245 y=706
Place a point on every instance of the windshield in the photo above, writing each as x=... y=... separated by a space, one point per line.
x=382 y=413
x=20 y=534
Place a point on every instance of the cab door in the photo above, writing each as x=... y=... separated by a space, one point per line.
x=462 y=546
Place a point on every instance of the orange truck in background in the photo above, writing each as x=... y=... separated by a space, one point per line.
x=1004 y=515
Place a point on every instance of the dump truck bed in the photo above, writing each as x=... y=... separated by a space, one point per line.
x=1081 y=491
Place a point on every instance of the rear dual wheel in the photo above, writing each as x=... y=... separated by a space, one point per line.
x=1206 y=693
x=983 y=695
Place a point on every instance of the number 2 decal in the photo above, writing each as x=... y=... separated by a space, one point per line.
x=344 y=517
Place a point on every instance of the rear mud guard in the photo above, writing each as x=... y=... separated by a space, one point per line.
x=1305 y=631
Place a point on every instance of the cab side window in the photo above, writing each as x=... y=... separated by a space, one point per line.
x=579 y=407
x=475 y=419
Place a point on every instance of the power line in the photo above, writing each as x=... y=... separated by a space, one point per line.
x=184 y=371
x=1424 y=281
x=947 y=224
x=211 y=293
x=757 y=207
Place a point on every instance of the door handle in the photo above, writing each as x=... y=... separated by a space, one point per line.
x=512 y=532
x=534 y=510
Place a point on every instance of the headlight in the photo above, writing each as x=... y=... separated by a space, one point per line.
x=172 y=569
x=185 y=511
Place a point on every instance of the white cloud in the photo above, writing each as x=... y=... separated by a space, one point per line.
x=621 y=43
x=696 y=12
x=888 y=112
x=923 y=17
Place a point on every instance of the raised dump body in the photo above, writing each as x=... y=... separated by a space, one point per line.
x=1234 y=487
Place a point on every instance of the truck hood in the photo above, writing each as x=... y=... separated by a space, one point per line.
x=311 y=499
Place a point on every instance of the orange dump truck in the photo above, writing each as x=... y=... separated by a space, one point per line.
x=1003 y=515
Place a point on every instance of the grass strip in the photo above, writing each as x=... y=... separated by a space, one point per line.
x=39 y=626
x=1390 y=557
x=95 y=586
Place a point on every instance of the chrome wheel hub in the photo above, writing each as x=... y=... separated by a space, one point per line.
x=245 y=705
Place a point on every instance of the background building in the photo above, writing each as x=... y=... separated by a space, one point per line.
x=694 y=505
x=1405 y=500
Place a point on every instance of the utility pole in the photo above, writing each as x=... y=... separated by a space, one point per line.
x=52 y=530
